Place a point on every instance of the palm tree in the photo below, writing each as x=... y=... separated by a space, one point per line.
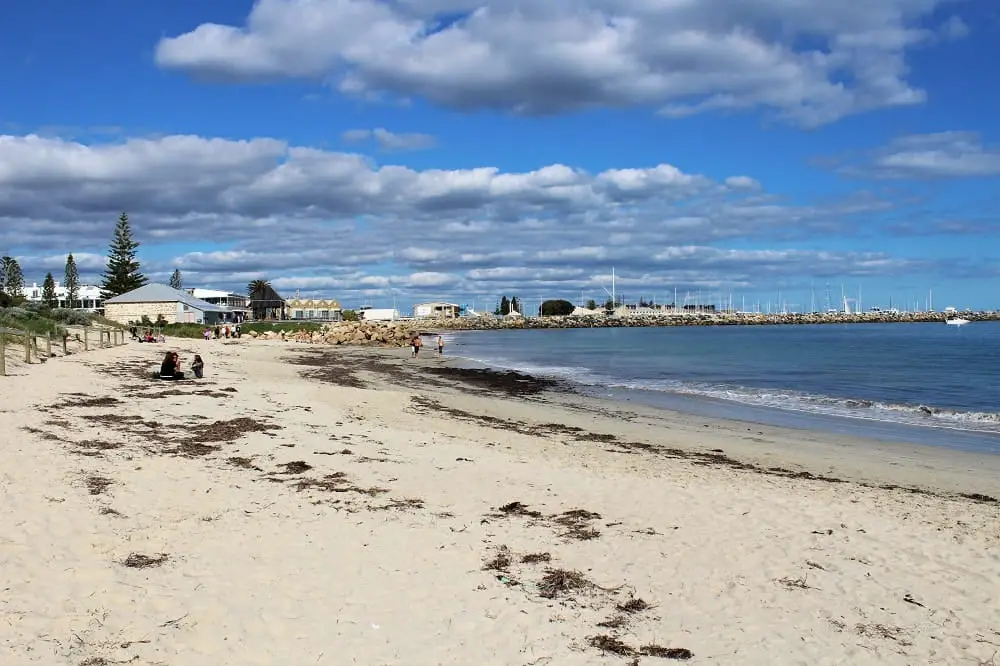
x=257 y=285
x=265 y=302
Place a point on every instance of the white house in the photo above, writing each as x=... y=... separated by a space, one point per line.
x=436 y=310
x=239 y=304
x=88 y=296
x=158 y=302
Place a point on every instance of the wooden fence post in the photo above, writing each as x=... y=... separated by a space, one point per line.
x=3 y=358
x=48 y=345
x=86 y=345
x=65 y=337
x=27 y=347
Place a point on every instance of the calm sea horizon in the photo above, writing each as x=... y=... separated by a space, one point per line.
x=923 y=383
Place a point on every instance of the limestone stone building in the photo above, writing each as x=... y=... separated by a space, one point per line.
x=158 y=302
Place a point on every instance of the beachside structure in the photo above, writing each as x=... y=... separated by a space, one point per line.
x=436 y=311
x=220 y=297
x=319 y=309
x=164 y=304
x=88 y=296
x=379 y=314
x=266 y=303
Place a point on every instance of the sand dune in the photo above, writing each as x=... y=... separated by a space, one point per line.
x=356 y=507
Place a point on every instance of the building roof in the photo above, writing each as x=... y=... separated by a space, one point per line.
x=198 y=292
x=161 y=293
x=438 y=303
x=266 y=297
x=321 y=303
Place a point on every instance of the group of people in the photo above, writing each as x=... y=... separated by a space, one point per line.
x=224 y=332
x=171 y=367
x=416 y=343
x=146 y=336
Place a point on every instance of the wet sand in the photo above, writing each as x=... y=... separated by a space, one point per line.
x=313 y=505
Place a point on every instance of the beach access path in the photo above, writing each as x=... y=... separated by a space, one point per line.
x=329 y=505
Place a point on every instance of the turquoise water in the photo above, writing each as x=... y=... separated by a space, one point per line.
x=928 y=382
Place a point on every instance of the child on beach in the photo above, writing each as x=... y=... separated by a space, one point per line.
x=198 y=366
x=440 y=343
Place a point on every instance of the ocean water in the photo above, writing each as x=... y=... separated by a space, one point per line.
x=928 y=383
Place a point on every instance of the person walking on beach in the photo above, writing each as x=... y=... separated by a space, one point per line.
x=416 y=343
x=440 y=342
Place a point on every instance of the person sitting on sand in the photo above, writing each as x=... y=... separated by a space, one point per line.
x=198 y=366
x=170 y=368
x=415 y=344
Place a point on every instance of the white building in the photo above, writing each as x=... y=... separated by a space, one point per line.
x=379 y=314
x=88 y=296
x=238 y=304
x=436 y=310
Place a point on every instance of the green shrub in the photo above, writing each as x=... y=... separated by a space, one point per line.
x=288 y=326
x=184 y=330
x=555 y=308
x=25 y=319
x=72 y=317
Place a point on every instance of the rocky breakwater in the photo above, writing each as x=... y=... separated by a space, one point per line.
x=358 y=333
x=697 y=319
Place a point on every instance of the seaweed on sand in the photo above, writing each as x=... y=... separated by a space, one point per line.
x=561 y=581
x=97 y=484
x=140 y=561
x=501 y=561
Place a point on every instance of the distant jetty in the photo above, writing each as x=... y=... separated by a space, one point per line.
x=401 y=331
x=485 y=323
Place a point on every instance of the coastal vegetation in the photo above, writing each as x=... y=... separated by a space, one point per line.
x=197 y=331
x=508 y=305
x=123 y=272
x=49 y=291
x=71 y=280
x=555 y=308
x=40 y=319
x=11 y=279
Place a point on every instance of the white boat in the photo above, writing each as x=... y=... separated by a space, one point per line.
x=956 y=321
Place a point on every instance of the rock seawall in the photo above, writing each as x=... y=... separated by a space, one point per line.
x=399 y=333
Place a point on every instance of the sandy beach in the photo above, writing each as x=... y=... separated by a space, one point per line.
x=328 y=505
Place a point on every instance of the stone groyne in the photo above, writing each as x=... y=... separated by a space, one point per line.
x=399 y=333
x=698 y=319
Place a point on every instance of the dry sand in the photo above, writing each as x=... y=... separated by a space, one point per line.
x=357 y=507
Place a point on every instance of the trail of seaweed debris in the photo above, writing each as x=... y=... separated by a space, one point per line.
x=343 y=368
x=715 y=457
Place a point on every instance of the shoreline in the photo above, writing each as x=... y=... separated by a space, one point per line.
x=308 y=504
x=876 y=415
x=840 y=457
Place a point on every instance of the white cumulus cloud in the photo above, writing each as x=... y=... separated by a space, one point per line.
x=808 y=61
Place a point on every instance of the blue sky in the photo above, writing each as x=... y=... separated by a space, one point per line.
x=455 y=149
